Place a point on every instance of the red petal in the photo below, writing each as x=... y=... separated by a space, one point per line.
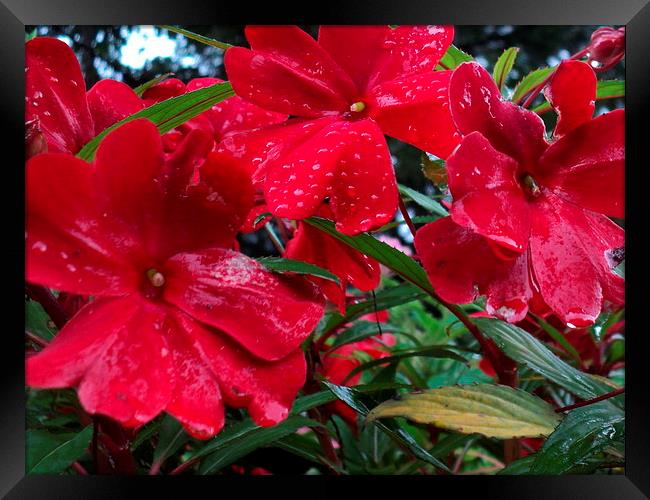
x=461 y=266
x=315 y=247
x=236 y=294
x=267 y=389
x=487 y=197
x=364 y=191
x=70 y=245
x=406 y=109
x=114 y=351
x=196 y=399
x=376 y=54
x=234 y=114
x=587 y=166
x=55 y=93
x=288 y=72
x=172 y=87
x=257 y=148
x=477 y=106
x=110 y=101
x=572 y=92
x=570 y=251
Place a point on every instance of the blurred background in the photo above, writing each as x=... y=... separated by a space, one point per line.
x=136 y=54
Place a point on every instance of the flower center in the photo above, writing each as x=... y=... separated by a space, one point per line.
x=357 y=107
x=530 y=186
x=152 y=284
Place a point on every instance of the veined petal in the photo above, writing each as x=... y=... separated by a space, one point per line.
x=587 y=165
x=236 y=294
x=288 y=72
x=110 y=101
x=572 y=93
x=572 y=258
x=461 y=266
x=55 y=93
x=487 y=196
x=477 y=106
x=266 y=388
x=415 y=109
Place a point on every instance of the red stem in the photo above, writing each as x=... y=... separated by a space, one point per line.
x=612 y=394
x=51 y=306
x=407 y=217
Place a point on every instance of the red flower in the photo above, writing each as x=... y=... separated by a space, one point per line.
x=338 y=363
x=350 y=266
x=528 y=218
x=229 y=116
x=55 y=94
x=607 y=48
x=179 y=321
x=58 y=106
x=345 y=91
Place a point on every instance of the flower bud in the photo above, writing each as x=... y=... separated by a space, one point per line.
x=35 y=142
x=606 y=49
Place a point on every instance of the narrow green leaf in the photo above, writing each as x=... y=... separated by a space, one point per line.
x=196 y=37
x=504 y=65
x=423 y=200
x=521 y=346
x=301 y=446
x=141 y=89
x=606 y=89
x=453 y=58
x=359 y=331
x=519 y=467
x=530 y=81
x=168 y=114
x=172 y=437
x=558 y=337
x=260 y=218
x=351 y=398
x=444 y=352
x=49 y=453
x=281 y=265
x=492 y=410
x=583 y=433
x=30 y=35
x=255 y=438
x=392 y=258
x=384 y=299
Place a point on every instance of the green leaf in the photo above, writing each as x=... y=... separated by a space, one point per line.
x=583 y=433
x=518 y=467
x=37 y=321
x=392 y=258
x=359 y=331
x=281 y=265
x=301 y=446
x=49 y=453
x=492 y=410
x=444 y=352
x=423 y=200
x=240 y=446
x=503 y=66
x=30 y=35
x=168 y=114
x=352 y=398
x=196 y=37
x=141 y=89
x=384 y=299
x=521 y=346
x=453 y=58
x=434 y=170
x=529 y=82
x=606 y=89
x=558 y=337
x=172 y=437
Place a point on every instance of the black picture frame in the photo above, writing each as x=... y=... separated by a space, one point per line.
x=15 y=14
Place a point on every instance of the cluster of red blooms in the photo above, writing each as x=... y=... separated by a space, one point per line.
x=181 y=322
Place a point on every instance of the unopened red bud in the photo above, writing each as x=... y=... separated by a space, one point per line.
x=606 y=49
